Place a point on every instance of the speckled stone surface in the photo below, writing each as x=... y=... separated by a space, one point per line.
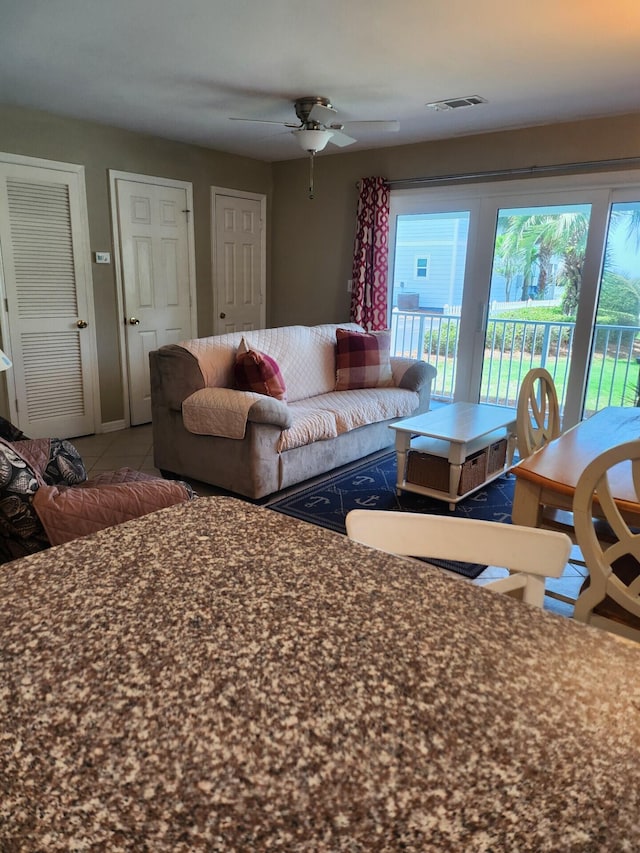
x=220 y=677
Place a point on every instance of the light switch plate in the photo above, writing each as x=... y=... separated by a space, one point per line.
x=103 y=257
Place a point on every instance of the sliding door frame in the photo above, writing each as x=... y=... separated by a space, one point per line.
x=483 y=200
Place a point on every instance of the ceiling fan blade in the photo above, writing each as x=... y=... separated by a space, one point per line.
x=372 y=126
x=341 y=139
x=321 y=114
x=265 y=121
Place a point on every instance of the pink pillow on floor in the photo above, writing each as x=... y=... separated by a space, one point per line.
x=258 y=372
x=363 y=360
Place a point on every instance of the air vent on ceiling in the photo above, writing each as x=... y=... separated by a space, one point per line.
x=456 y=103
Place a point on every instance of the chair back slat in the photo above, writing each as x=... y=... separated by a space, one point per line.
x=538 y=412
x=614 y=567
x=528 y=551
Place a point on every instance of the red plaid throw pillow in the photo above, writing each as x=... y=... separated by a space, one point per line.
x=258 y=372
x=362 y=360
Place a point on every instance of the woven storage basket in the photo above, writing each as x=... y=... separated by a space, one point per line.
x=430 y=471
x=497 y=455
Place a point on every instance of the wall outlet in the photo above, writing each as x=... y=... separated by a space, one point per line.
x=349 y=285
x=103 y=257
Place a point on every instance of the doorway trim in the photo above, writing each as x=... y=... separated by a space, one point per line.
x=114 y=177
x=259 y=197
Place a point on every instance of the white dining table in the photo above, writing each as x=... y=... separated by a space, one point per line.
x=550 y=475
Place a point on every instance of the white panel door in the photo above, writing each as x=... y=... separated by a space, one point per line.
x=239 y=267
x=154 y=245
x=49 y=323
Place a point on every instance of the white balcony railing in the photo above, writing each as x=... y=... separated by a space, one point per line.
x=515 y=346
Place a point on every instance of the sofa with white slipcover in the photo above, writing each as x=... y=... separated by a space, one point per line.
x=210 y=425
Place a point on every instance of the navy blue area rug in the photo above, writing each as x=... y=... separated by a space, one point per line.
x=372 y=485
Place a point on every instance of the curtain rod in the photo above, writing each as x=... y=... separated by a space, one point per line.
x=528 y=171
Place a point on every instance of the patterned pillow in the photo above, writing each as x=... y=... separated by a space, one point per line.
x=56 y=460
x=21 y=531
x=255 y=371
x=362 y=360
x=65 y=464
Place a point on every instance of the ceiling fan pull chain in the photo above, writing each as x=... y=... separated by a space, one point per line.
x=312 y=155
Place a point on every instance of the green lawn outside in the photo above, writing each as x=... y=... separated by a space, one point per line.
x=611 y=381
x=613 y=376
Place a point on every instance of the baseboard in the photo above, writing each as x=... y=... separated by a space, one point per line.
x=112 y=426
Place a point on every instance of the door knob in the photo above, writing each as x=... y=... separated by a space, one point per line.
x=222 y=315
x=133 y=321
x=82 y=324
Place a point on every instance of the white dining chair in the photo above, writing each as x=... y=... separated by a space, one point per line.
x=538 y=423
x=538 y=411
x=530 y=554
x=610 y=596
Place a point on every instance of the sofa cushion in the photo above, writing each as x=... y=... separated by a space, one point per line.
x=128 y=475
x=67 y=513
x=309 y=424
x=330 y=415
x=363 y=406
x=258 y=372
x=120 y=475
x=363 y=360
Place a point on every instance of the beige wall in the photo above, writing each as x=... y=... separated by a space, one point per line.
x=312 y=241
x=98 y=149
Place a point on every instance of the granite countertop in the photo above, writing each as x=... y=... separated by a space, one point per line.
x=219 y=677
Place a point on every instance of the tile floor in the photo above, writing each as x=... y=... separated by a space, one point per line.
x=130 y=448
x=133 y=448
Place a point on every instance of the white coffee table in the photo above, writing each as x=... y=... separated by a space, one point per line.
x=454 y=432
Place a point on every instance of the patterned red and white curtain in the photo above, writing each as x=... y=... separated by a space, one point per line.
x=370 y=256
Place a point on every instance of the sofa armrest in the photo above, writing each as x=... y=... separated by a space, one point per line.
x=175 y=375
x=412 y=374
x=225 y=412
x=271 y=411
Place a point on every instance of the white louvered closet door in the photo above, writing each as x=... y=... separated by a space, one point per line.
x=46 y=273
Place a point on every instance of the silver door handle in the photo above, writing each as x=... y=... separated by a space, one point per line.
x=222 y=315
x=133 y=321
x=82 y=324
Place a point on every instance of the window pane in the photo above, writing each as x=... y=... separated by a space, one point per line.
x=421 y=268
x=535 y=287
x=615 y=352
x=426 y=295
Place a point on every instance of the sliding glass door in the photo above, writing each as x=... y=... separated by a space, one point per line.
x=536 y=278
x=614 y=363
x=427 y=287
x=489 y=280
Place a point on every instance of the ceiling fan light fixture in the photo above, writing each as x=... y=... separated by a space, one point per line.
x=312 y=140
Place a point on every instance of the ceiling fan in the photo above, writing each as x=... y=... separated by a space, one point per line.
x=316 y=127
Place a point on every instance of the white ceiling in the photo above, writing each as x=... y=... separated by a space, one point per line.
x=180 y=69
